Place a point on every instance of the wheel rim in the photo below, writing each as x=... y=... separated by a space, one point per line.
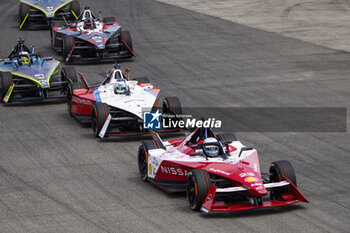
x=191 y=192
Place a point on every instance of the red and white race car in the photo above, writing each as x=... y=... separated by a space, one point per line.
x=217 y=172
x=115 y=107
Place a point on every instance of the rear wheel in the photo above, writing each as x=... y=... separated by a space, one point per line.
x=172 y=105
x=142 y=80
x=278 y=170
x=100 y=112
x=68 y=73
x=142 y=157
x=71 y=88
x=197 y=186
x=226 y=137
x=23 y=12
x=5 y=83
x=125 y=37
x=54 y=41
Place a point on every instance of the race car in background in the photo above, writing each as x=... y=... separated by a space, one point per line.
x=217 y=172
x=90 y=38
x=27 y=75
x=38 y=14
x=115 y=106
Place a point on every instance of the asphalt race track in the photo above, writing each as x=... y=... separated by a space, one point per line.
x=56 y=177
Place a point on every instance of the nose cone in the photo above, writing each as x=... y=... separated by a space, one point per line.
x=255 y=185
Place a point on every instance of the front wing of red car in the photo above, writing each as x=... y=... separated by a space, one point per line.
x=211 y=205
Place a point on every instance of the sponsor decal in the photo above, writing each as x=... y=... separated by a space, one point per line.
x=97 y=96
x=97 y=39
x=150 y=169
x=174 y=171
x=49 y=8
x=245 y=174
x=209 y=198
x=151 y=120
x=250 y=179
x=256 y=184
x=81 y=101
x=39 y=76
x=219 y=171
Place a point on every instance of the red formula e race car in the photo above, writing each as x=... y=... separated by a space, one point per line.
x=217 y=172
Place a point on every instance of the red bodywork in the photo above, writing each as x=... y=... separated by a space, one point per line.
x=173 y=165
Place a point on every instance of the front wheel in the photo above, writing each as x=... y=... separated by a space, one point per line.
x=100 y=112
x=142 y=157
x=126 y=41
x=279 y=170
x=6 y=81
x=75 y=7
x=172 y=105
x=23 y=13
x=71 y=88
x=68 y=43
x=197 y=187
x=224 y=137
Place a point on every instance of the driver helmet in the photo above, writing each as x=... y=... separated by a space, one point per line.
x=120 y=87
x=211 y=150
x=89 y=23
x=24 y=58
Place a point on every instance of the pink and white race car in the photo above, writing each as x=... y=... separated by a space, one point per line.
x=217 y=172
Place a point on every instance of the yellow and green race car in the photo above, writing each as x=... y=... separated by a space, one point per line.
x=26 y=75
x=38 y=14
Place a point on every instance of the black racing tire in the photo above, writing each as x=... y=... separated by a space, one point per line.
x=71 y=88
x=41 y=54
x=278 y=170
x=141 y=80
x=68 y=43
x=108 y=20
x=142 y=156
x=5 y=83
x=172 y=105
x=100 y=112
x=69 y=73
x=226 y=137
x=23 y=11
x=197 y=187
x=126 y=37
x=75 y=7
